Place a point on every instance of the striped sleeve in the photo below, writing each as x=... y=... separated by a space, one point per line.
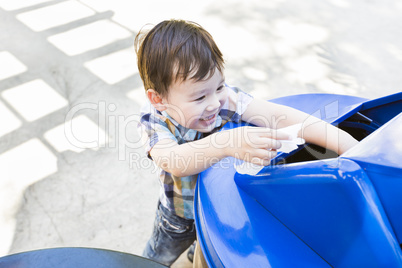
x=236 y=105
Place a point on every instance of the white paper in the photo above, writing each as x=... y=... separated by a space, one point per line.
x=286 y=146
x=294 y=141
x=248 y=168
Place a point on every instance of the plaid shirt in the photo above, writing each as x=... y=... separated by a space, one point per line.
x=177 y=193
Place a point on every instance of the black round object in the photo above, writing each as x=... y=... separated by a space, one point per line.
x=76 y=258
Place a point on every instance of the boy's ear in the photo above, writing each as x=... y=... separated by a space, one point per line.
x=156 y=100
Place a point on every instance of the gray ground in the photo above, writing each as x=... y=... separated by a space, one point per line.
x=72 y=171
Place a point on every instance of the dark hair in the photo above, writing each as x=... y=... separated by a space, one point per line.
x=176 y=49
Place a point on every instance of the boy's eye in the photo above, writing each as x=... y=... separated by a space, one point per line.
x=200 y=98
x=220 y=88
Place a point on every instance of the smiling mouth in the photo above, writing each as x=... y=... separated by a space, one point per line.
x=208 y=118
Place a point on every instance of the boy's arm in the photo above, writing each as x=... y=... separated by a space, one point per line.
x=314 y=130
x=252 y=144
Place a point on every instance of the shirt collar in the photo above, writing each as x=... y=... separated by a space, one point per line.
x=186 y=133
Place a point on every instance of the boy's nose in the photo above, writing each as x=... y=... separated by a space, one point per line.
x=215 y=104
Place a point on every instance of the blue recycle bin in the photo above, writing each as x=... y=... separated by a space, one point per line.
x=312 y=208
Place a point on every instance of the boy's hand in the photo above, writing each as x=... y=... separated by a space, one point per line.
x=257 y=145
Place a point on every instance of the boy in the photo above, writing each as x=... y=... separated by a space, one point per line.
x=183 y=75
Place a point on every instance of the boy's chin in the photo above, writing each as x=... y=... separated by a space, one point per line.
x=202 y=126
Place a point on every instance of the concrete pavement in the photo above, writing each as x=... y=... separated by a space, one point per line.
x=72 y=172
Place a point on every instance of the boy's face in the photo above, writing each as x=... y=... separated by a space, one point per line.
x=195 y=105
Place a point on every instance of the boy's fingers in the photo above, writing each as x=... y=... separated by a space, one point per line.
x=271 y=154
x=276 y=134
x=267 y=143
x=280 y=135
x=275 y=144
